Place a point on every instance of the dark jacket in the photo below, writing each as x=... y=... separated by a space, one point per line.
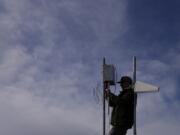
x=123 y=108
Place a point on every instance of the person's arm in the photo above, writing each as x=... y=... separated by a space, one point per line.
x=112 y=98
x=125 y=99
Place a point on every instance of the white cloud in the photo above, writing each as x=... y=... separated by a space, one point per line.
x=27 y=112
x=27 y=105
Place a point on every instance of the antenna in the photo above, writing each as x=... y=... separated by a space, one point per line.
x=108 y=80
x=97 y=93
x=139 y=87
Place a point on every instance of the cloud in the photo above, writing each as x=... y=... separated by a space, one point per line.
x=50 y=60
x=34 y=104
x=43 y=66
x=24 y=112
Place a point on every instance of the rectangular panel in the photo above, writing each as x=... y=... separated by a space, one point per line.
x=109 y=74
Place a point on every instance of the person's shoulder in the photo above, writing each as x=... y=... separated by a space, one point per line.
x=130 y=92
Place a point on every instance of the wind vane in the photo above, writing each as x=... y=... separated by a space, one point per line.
x=110 y=80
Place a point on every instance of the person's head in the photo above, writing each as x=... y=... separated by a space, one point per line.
x=125 y=82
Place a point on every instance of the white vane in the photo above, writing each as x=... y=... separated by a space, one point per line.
x=145 y=87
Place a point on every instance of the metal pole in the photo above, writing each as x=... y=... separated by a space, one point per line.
x=104 y=106
x=108 y=88
x=135 y=96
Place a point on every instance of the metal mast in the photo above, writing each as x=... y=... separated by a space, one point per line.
x=104 y=102
x=135 y=95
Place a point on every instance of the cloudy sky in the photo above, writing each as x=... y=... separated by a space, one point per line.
x=51 y=56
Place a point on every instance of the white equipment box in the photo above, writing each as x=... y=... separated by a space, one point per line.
x=109 y=74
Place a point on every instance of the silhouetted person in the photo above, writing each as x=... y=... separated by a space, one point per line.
x=122 y=116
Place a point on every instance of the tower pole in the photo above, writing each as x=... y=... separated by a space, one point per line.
x=104 y=105
x=135 y=96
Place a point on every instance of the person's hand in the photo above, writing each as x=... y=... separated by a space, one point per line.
x=107 y=92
